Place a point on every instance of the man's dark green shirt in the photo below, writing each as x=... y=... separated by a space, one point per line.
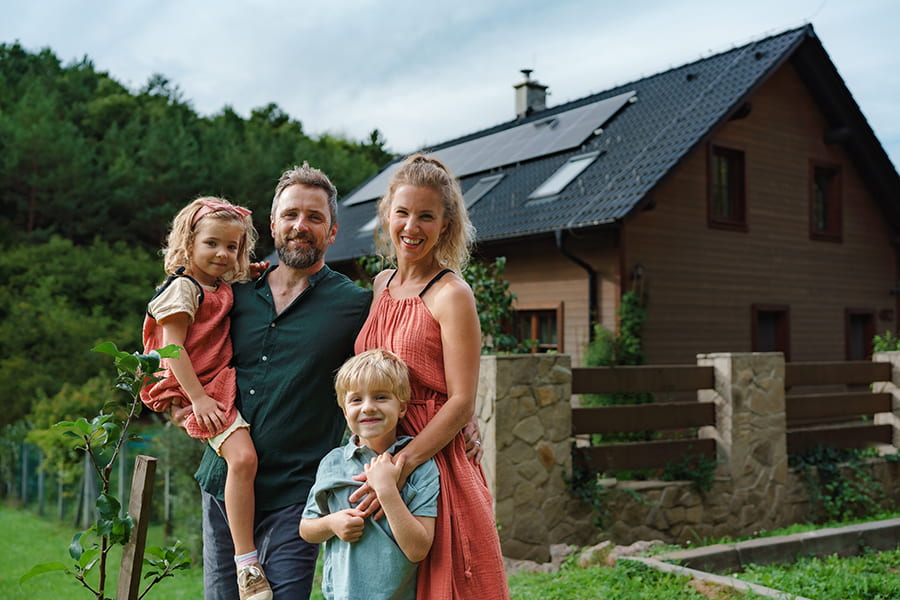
x=285 y=366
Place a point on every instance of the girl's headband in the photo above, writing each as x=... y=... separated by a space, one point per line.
x=211 y=206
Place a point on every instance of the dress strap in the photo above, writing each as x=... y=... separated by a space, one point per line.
x=390 y=279
x=433 y=281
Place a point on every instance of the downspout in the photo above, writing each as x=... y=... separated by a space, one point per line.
x=593 y=307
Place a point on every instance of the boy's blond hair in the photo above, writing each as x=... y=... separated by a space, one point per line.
x=373 y=369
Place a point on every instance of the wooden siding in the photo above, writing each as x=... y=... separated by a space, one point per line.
x=701 y=282
x=541 y=277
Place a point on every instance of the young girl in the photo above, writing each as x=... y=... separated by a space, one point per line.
x=209 y=247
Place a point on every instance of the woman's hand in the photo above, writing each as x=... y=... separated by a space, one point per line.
x=366 y=496
x=472 y=435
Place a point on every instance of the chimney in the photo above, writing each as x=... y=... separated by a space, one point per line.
x=531 y=96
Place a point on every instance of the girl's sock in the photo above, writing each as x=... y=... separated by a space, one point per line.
x=246 y=559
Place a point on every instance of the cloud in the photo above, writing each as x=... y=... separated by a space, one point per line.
x=424 y=72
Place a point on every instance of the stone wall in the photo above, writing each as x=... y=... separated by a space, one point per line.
x=524 y=406
x=525 y=415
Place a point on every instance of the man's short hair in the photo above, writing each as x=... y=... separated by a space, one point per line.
x=312 y=177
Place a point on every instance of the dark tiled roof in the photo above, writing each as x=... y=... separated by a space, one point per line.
x=644 y=141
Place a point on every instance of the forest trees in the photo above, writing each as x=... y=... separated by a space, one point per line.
x=91 y=174
x=82 y=156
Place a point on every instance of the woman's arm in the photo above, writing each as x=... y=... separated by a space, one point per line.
x=453 y=306
x=208 y=411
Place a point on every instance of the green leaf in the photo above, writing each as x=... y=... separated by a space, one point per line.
x=128 y=363
x=75 y=547
x=89 y=559
x=41 y=569
x=107 y=506
x=107 y=348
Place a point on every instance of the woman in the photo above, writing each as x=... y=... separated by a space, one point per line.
x=425 y=312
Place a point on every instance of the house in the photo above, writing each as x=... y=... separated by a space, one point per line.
x=745 y=194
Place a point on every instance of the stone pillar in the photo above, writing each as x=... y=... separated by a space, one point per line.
x=893 y=386
x=751 y=432
x=524 y=411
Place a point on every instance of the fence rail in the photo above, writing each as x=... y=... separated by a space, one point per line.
x=847 y=436
x=813 y=409
x=642 y=455
x=642 y=417
x=666 y=378
x=831 y=373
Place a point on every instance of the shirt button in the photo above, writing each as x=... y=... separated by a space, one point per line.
x=265 y=358
x=252 y=392
x=271 y=324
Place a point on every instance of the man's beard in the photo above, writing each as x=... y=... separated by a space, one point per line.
x=301 y=257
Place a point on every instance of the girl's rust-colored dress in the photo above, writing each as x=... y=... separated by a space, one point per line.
x=465 y=562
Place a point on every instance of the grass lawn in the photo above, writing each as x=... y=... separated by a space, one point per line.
x=871 y=576
x=30 y=540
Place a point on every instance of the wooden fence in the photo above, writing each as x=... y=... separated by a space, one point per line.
x=653 y=417
x=841 y=419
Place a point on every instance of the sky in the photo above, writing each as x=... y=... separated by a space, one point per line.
x=422 y=71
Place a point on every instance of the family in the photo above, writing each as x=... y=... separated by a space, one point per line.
x=274 y=370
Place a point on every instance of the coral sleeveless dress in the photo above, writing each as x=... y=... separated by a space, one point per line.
x=465 y=562
x=209 y=345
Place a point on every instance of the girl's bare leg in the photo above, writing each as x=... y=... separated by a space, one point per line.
x=239 y=453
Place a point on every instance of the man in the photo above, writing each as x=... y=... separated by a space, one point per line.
x=291 y=329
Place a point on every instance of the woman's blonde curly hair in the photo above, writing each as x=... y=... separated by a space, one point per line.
x=455 y=243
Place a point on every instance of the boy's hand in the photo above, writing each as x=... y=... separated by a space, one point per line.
x=347 y=524
x=210 y=413
x=383 y=472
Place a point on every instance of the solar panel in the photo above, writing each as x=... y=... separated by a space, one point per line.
x=534 y=139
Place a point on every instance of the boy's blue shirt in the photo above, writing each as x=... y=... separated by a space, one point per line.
x=374 y=567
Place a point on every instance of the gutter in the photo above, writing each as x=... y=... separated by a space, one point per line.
x=593 y=304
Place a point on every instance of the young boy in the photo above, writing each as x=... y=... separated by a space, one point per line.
x=364 y=557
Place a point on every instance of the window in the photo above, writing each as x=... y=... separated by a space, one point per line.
x=368 y=228
x=771 y=329
x=542 y=325
x=564 y=175
x=825 y=203
x=481 y=188
x=859 y=329
x=726 y=206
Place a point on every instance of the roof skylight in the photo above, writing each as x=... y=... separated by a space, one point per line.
x=481 y=188
x=564 y=175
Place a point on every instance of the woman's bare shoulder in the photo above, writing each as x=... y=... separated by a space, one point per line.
x=380 y=281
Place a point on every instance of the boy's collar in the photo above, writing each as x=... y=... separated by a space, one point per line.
x=351 y=449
